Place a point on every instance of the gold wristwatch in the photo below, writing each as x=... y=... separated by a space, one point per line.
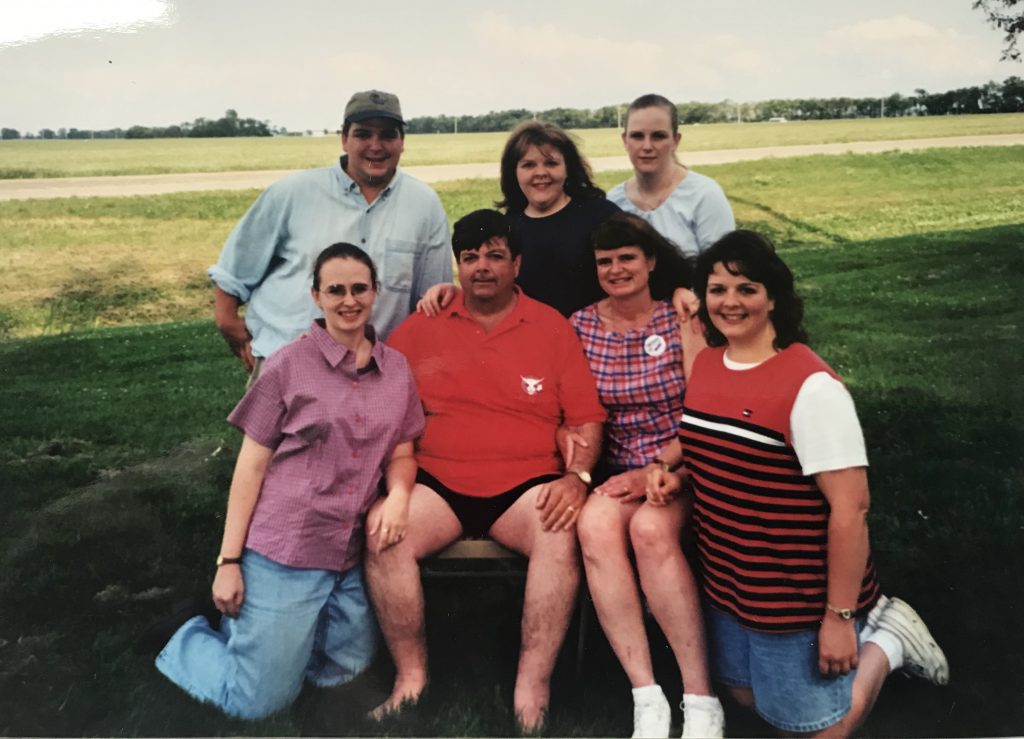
x=584 y=476
x=844 y=613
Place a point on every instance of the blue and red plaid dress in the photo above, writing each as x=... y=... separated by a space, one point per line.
x=643 y=393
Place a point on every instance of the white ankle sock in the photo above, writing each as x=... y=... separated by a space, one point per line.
x=889 y=644
x=701 y=702
x=649 y=694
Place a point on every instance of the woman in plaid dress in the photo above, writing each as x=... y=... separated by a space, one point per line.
x=638 y=352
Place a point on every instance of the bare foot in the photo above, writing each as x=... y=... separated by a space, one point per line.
x=531 y=722
x=405 y=694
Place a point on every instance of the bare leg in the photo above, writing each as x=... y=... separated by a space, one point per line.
x=671 y=590
x=393 y=579
x=743 y=696
x=602 y=527
x=872 y=670
x=552 y=580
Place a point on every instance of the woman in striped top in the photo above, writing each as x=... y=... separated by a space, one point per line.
x=637 y=350
x=797 y=627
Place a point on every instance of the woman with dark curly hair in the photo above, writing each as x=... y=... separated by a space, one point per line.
x=797 y=627
x=551 y=199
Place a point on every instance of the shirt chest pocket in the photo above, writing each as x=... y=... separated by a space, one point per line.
x=304 y=438
x=399 y=264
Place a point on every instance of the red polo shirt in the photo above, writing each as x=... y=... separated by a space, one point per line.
x=494 y=400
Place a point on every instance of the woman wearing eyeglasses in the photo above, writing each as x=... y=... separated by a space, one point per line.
x=329 y=415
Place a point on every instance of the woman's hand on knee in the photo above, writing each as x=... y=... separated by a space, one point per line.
x=228 y=590
x=626 y=486
x=661 y=485
x=388 y=523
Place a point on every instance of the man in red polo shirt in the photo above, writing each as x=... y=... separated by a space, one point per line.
x=498 y=374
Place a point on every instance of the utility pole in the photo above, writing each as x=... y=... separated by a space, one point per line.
x=882 y=113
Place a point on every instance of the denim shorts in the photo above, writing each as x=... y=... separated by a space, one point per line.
x=781 y=669
x=295 y=625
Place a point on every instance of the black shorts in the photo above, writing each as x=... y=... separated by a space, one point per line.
x=477 y=515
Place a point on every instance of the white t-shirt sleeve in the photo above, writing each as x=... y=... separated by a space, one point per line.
x=824 y=427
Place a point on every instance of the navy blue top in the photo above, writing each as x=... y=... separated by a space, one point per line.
x=558 y=266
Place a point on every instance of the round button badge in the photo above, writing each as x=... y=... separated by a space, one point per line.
x=654 y=345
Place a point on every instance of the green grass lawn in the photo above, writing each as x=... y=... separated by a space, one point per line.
x=90 y=262
x=78 y=158
x=117 y=458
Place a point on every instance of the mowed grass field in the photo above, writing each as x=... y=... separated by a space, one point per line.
x=117 y=458
x=90 y=262
x=24 y=159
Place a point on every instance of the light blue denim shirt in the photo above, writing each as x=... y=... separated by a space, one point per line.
x=693 y=217
x=267 y=261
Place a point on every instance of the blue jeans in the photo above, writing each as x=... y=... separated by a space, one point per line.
x=781 y=669
x=294 y=624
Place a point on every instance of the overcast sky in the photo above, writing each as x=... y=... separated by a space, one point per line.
x=108 y=63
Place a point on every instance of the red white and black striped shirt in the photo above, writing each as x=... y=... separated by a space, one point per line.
x=762 y=524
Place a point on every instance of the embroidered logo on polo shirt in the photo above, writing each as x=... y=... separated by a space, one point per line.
x=532 y=385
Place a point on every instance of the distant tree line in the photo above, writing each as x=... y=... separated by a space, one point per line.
x=229 y=125
x=991 y=97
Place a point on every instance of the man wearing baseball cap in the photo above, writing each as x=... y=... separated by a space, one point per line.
x=363 y=199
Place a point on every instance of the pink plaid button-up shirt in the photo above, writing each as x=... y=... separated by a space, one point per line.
x=333 y=429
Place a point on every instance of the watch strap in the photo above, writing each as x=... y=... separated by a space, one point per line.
x=846 y=614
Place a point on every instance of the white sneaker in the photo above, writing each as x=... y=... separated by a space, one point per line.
x=652 y=719
x=703 y=718
x=922 y=657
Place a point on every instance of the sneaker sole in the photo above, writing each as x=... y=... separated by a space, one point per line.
x=922 y=656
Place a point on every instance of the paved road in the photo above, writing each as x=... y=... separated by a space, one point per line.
x=192 y=182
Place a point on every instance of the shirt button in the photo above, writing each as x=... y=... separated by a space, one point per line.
x=355 y=453
x=362 y=240
x=355 y=384
x=359 y=419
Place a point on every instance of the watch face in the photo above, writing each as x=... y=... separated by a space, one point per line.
x=585 y=476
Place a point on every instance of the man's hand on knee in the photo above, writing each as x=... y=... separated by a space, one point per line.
x=559 y=502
